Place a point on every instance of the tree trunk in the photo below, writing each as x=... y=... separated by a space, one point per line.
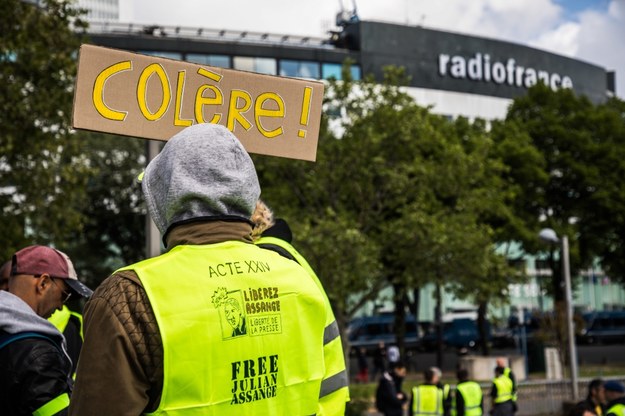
x=439 y=327
x=483 y=330
x=400 y=317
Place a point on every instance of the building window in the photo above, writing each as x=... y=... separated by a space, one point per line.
x=259 y=65
x=332 y=70
x=299 y=69
x=222 y=61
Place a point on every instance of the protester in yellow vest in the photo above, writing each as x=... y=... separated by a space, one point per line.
x=468 y=400
x=430 y=398
x=275 y=234
x=615 y=394
x=501 y=394
x=507 y=371
x=158 y=337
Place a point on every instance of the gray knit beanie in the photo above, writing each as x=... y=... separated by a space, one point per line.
x=202 y=172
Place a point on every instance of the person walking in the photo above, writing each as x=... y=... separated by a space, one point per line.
x=157 y=339
x=34 y=363
x=430 y=398
x=502 y=394
x=390 y=400
x=468 y=398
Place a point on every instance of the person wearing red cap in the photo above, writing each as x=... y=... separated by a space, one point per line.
x=33 y=354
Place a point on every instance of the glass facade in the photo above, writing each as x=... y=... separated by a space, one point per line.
x=259 y=65
x=333 y=70
x=222 y=61
x=288 y=67
x=299 y=69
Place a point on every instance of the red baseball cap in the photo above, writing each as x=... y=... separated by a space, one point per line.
x=38 y=260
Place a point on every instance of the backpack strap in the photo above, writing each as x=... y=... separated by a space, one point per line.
x=6 y=339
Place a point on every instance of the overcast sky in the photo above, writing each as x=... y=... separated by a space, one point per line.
x=591 y=30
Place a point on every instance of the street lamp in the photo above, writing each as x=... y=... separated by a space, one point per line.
x=550 y=236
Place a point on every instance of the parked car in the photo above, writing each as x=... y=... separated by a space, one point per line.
x=368 y=331
x=603 y=327
x=458 y=333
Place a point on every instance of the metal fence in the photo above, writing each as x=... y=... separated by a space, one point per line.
x=534 y=398
x=545 y=397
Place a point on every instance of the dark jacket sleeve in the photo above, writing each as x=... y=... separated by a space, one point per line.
x=38 y=372
x=121 y=357
x=447 y=401
x=73 y=339
x=386 y=396
x=459 y=403
x=513 y=379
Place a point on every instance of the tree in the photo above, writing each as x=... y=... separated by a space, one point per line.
x=582 y=145
x=406 y=191
x=113 y=232
x=42 y=174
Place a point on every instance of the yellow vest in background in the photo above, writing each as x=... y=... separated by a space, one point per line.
x=427 y=400
x=504 y=389
x=60 y=318
x=472 y=396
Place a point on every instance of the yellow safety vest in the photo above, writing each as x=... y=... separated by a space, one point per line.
x=427 y=400
x=242 y=331
x=60 y=318
x=504 y=389
x=506 y=372
x=335 y=385
x=618 y=409
x=472 y=396
x=54 y=406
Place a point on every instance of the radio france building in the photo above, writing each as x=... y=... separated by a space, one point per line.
x=458 y=75
x=455 y=74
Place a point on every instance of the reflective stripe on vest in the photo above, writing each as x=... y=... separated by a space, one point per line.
x=336 y=373
x=60 y=318
x=53 y=406
x=242 y=331
x=472 y=396
x=618 y=409
x=427 y=400
x=504 y=389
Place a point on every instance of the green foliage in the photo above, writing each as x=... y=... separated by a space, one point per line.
x=42 y=174
x=582 y=148
x=113 y=233
x=397 y=196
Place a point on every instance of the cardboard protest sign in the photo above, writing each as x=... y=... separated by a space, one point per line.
x=144 y=96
